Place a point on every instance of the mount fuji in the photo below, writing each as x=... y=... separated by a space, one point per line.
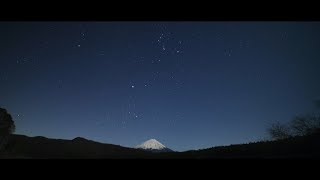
x=153 y=146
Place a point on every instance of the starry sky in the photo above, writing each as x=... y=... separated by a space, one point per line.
x=190 y=85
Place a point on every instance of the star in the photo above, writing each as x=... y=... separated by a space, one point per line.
x=79 y=45
x=132 y=86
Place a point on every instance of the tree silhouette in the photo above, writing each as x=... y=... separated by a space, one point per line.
x=298 y=126
x=279 y=131
x=302 y=126
x=6 y=127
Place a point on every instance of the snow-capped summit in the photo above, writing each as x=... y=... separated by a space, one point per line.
x=153 y=145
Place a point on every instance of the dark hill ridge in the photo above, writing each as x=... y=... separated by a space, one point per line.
x=80 y=139
x=295 y=147
x=21 y=146
x=41 y=147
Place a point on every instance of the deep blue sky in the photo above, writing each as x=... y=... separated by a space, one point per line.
x=190 y=85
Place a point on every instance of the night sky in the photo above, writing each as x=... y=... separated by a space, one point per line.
x=190 y=85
